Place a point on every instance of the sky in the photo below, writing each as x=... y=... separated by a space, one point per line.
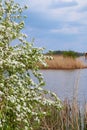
x=57 y=24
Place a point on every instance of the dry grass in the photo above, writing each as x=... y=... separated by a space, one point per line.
x=60 y=62
x=68 y=118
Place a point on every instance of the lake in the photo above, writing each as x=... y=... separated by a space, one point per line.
x=67 y=83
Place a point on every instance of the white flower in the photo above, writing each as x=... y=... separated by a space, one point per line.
x=26 y=128
x=0 y=123
x=18 y=108
x=1 y=93
x=12 y=98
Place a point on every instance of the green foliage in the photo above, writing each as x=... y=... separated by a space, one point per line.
x=21 y=98
x=59 y=52
x=70 y=53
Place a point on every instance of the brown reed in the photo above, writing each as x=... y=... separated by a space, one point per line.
x=60 y=62
x=68 y=118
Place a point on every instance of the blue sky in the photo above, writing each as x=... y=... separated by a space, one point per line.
x=57 y=24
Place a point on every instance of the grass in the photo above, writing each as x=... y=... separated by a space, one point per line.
x=68 y=118
x=60 y=62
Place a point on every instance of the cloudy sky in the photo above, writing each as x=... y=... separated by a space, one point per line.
x=57 y=24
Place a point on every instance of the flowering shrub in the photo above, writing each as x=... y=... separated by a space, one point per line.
x=21 y=98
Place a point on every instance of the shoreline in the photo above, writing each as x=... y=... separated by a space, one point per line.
x=62 y=68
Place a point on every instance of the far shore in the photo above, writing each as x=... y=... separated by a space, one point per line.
x=60 y=62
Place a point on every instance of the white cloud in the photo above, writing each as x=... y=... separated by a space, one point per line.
x=66 y=30
x=70 y=13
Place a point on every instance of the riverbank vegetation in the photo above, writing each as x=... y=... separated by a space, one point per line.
x=71 y=117
x=61 y=62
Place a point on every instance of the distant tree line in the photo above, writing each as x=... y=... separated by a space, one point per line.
x=66 y=53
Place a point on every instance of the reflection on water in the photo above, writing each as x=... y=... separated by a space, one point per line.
x=65 y=82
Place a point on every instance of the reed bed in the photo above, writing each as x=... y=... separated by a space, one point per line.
x=68 y=118
x=60 y=62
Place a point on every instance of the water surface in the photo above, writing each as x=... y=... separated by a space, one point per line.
x=67 y=83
